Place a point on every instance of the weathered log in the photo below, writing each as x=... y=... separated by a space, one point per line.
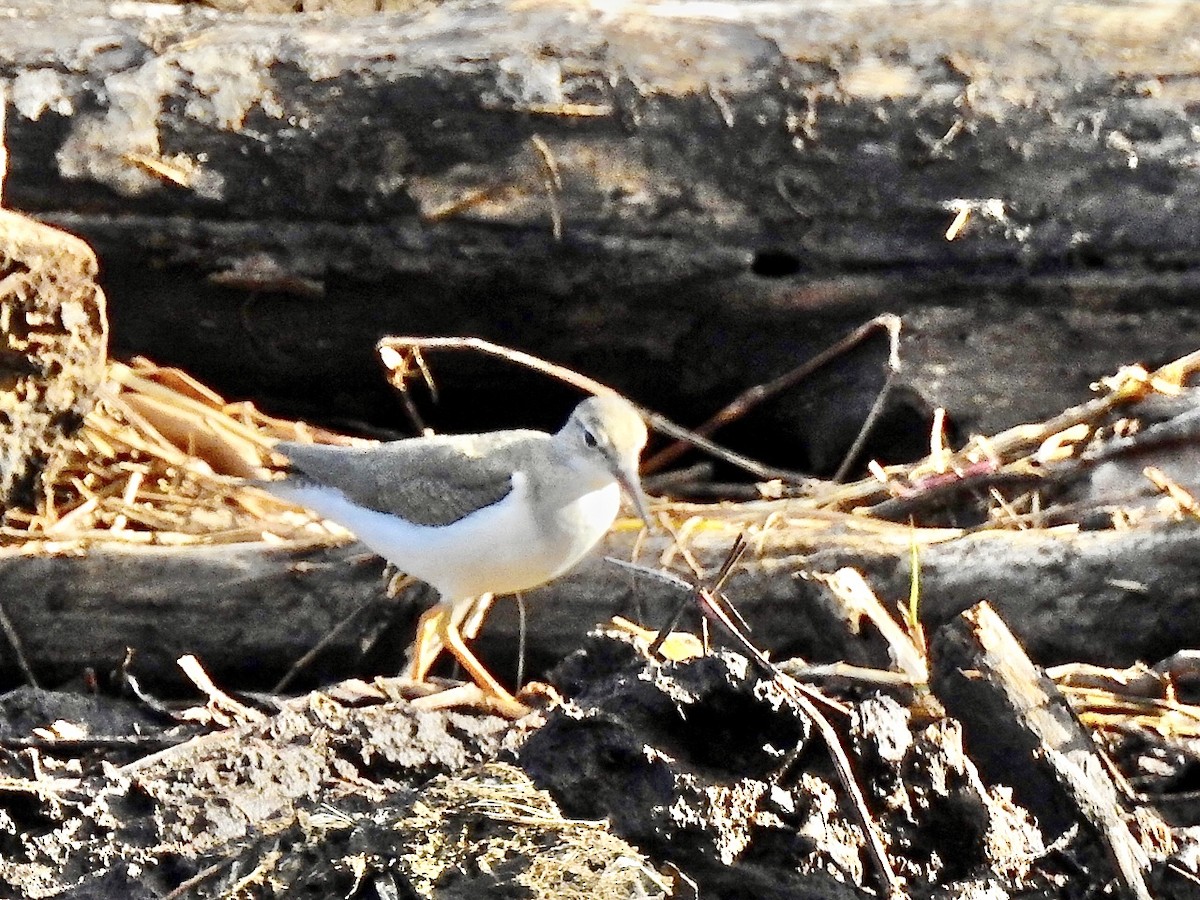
x=53 y=342
x=1109 y=597
x=249 y=611
x=1021 y=732
x=715 y=190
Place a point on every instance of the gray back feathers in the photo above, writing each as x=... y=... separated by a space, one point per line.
x=428 y=480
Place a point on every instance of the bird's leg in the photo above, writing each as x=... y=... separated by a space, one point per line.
x=474 y=622
x=428 y=644
x=475 y=615
x=452 y=640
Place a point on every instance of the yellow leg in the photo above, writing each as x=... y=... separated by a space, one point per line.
x=475 y=615
x=452 y=640
x=427 y=645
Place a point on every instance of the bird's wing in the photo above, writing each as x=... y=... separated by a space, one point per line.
x=428 y=481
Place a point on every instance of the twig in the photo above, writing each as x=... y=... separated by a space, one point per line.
x=731 y=491
x=14 y=641
x=1179 y=495
x=949 y=488
x=712 y=609
x=304 y=661
x=804 y=697
x=714 y=587
x=394 y=349
x=841 y=763
x=392 y=352
x=663 y=425
x=133 y=684
x=665 y=481
x=199 y=878
x=1184 y=873
x=1127 y=387
x=841 y=671
x=679 y=545
x=731 y=560
x=97 y=742
x=464 y=202
x=402 y=371
x=553 y=183
x=675 y=581
x=756 y=395
x=218 y=700
x=868 y=424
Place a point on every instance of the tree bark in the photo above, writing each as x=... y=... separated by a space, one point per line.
x=249 y=612
x=1023 y=734
x=682 y=200
x=53 y=340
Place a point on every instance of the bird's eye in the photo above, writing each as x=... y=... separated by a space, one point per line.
x=589 y=438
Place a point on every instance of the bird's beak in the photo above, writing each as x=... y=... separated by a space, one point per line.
x=628 y=477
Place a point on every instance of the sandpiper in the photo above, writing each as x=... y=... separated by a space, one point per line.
x=476 y=514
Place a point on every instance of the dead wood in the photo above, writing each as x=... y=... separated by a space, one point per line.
x=1110 y=597
x=785 y=171
x=1024 y=734
x=151 y=463
x=738 y=77
x=249 y=612
x=53 y=344
x=246 y=610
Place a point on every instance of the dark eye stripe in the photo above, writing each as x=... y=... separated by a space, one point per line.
x=589 y=438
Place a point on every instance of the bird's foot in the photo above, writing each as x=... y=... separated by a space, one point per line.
x=472 y=695
x=438 y=629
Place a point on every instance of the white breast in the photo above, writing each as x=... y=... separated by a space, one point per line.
x=501 y=549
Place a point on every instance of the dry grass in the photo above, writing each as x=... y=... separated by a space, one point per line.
x=1027 y=450
x=162 y=460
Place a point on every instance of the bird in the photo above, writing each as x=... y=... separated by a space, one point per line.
x=476 y=515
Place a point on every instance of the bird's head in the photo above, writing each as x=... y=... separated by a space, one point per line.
x=606 y=435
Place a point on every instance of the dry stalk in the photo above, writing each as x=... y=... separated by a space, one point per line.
x=160 y=460
x=756 y=395
x=402 y=357
x=1017 y=454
